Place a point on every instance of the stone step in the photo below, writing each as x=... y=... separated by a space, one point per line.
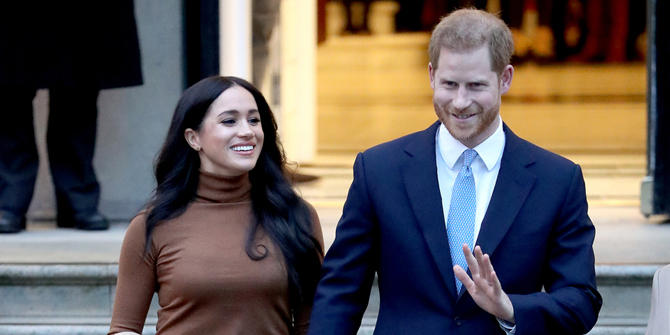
x=77 y=299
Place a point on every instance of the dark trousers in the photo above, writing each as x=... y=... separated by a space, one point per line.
x=71 y=133
x=512 y=12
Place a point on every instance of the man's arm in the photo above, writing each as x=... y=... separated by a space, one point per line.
x=349 y=266
x=570 y=303
x=484 y=287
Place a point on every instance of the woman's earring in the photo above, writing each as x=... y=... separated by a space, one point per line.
x=197 y=148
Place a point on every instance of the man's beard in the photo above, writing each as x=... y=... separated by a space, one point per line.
x=484 y=120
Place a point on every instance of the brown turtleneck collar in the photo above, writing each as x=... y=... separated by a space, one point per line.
x=222 y=189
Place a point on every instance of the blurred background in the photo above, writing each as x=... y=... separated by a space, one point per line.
x=590 y=83
x=344 y=75
x=579 y=85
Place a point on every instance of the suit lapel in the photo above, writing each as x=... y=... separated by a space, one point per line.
x=511 y=190
x=420 y=177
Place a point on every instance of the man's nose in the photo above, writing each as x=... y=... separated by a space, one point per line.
x=462 y=99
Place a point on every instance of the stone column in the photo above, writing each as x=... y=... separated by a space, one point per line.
x=235 y=34
x=655 y=195
x=297 y=119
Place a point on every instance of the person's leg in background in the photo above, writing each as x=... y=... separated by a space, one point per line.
x=349 y=28
x=357 y=21
x=18 y=157
x=365 y=28
x=618 y=32
x=595 y=33
x=408 y=18
x=71 y=135
x=607 y=31
x=544 y=45
x=636 y=44
x=530 y=23
x=512 y=14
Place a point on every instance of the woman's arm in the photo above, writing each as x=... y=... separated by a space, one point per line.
x=301 y=313
x=136 y=281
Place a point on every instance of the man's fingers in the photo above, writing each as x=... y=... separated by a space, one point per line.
x=496 y=283
x=484 y=268
x=462 y=276
x=479 y=255
x=484 y=286
x=487 y=268
x=481 y=269
x=471 y=260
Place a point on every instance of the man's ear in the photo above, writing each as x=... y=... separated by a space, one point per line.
x=506 y=79
x=192 y=138
x=431 y=73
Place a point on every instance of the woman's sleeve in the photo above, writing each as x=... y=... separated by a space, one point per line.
x=302 y=312
x=136 y=281
x=316 y=226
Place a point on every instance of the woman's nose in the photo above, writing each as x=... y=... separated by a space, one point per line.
x=245 y=130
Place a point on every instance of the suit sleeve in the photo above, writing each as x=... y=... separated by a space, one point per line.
x=349 y=266
x=570 y=303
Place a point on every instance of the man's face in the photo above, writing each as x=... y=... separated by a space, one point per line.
x=466 y=94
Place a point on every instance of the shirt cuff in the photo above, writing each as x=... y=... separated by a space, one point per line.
x=507 y=326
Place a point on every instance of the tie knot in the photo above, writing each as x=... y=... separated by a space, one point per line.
x=469 y=156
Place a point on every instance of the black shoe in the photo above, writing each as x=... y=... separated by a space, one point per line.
x=10 y=223
x=84 y=221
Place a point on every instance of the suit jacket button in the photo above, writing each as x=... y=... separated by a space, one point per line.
x=457 y=321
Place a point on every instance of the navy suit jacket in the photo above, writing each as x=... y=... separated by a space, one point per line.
x=536 y=231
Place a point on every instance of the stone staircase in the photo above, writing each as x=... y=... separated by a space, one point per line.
x=56 y=299
x=77 y=299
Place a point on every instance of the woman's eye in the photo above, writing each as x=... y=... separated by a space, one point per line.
x=229 y=122
x=254 y=120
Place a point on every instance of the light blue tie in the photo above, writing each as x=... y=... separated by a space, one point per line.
x=461 y=220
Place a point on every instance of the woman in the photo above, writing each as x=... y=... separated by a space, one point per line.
x=225 y=242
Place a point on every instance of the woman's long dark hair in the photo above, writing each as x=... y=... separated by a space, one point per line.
x=277 y=208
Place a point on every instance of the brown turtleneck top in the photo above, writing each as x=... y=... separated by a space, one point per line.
x=206 y=282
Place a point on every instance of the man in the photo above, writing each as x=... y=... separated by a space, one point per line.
x=75 y=49
x=414 y=212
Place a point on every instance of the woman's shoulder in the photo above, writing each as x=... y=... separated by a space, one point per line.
x=139 y=221
x=136 y=231
x=310 y=207
x=316 y=222
x=314 y=215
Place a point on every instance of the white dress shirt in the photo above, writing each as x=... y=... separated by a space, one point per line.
x=485 y=169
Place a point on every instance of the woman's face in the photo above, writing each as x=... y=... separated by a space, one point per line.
x=230 y=138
